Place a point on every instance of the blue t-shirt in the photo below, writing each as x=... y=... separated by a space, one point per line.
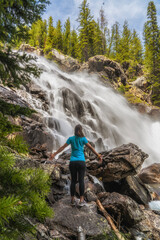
x=77 y=146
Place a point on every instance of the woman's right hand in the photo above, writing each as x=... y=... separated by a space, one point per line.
x=100 y=160
x=51 y=156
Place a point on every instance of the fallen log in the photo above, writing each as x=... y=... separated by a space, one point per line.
x=106 y=215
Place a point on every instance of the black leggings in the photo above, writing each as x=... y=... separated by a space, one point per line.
x=77 y=169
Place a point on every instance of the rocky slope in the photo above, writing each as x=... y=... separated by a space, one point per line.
x=125 y=197
x=115 y=182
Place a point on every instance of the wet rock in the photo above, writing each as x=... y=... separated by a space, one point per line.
x=10 y=96
x=137 y=69
x=118 y=163
x=67 y=63
x=155 y=114
x=53 y=123
x=133 y=187
x=140 y=82
x=149 y=226
x=142 y=108
x=37 y=93
x=151 y=174
x=90 y=196
x=36 y=134
x=123 y=208
x=87 y=217
x=29 y=49
x=111 y=68
x=34 y=89
x=25 y=162
x=73 y=103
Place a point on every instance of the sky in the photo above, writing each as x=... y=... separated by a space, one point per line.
x=134 y=11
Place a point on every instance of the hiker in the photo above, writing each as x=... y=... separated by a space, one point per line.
x=77 y=161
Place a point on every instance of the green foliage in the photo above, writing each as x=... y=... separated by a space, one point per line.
x=74 y=44
x=136 y=49
x=124 y=45
x=14 y=110
x=14 y=142
x=114 y=41
x=18 y=144
x=16 y=69
x=7 y=129
x=50 y=41
x=67 y=38
x=58 y=36
x=15 y=16
x=132 y=98
x=152 y=51
x=104 y=30
x=23 y=193
x=155 y=98
x=38 y=33
x=85 y=39
x=151 y=37
x=121 y=89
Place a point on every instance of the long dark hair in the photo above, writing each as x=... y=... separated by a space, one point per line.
x=78 y=131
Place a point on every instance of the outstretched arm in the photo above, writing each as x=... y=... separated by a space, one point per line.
x=58 y=151
x=94 y=151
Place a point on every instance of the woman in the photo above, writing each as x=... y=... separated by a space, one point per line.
x=77 y=164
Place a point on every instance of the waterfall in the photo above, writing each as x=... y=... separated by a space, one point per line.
x=105 y=115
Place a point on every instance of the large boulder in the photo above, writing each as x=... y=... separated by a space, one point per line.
x=140 y=82
x=110 y=68
x=151 y=174
x=72 y=103
x=149 y=227
x=36 y=134
x=133 y=187
x=118 y=163
x=122 y=207
x=66 y=62
x=10 y=96
x=30 y=49
x=154 y=113
x=92 y=223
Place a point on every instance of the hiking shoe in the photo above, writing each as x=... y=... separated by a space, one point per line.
x=74 y=203
x=81 y=204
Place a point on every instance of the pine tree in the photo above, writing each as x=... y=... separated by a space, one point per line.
x=104 y=29
x=152 y=50
x=136 y=49
x=50 y=41
x=84 y=20
x=151 y=37
x=74 y=44
x=38 y=33
x=124 y=46
x=58 y=36
x=67 y=38
x=15 y=15
x=98 y=44
x=114 y=42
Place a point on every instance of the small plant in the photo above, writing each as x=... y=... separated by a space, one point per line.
x=121 y=89
x=14 y=110
x=22 y=197
x=17 y=143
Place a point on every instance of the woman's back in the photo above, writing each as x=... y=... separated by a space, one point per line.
x=77 y=146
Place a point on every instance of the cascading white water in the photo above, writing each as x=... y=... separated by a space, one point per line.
x=107 y=119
